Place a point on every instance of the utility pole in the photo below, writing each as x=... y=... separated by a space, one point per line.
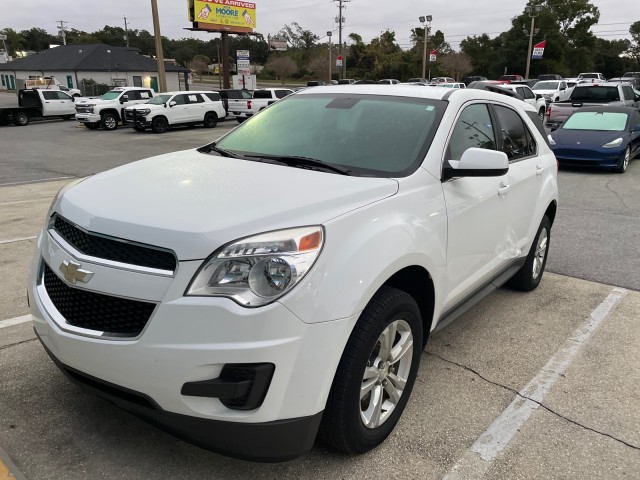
x=126 y=32
x=340 y=21
x=425 y=21
x=219 y=67
x=63 y=34
x=162 y=79
x=533 y=12
x=329 y=35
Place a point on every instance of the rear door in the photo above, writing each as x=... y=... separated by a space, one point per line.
x=196 y=108
x=476 y=209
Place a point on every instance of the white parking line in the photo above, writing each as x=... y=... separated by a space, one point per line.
x=480 y=456
x=15 y=321
x=14 y=240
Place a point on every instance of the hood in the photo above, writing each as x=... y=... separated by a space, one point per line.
x=546 y=91
x=150 y=106
x=193 y=203
x=96 y=101
x=588 y=138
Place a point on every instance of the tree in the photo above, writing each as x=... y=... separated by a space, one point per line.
x=38 y=39
x=302 y=42
x=634 y=46
x=283 y=67
x=200 y=65
x=320 y=66
x=456 y=64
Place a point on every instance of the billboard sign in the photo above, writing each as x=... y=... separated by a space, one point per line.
x=225 y=13
x=277 y=45
x=538 y=50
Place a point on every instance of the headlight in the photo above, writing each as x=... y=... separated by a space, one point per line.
x=613 y=143
x=59 y=195
x=257 y=270
x=143 y=111
x=551 y=140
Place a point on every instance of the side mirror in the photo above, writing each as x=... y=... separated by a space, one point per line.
x=171 y=104
x=477 y=162
x=538 y=96
x=124 y=98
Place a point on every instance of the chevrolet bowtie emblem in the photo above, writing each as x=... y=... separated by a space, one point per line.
x=72 y=272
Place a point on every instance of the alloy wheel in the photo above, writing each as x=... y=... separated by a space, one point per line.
x=540 y=254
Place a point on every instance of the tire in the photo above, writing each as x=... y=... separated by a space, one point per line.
x=21 y=119
x=159 y=125
x=529 y=276
x=351 y=422
x=624 y=161
x=541 y=114
x=109 y=121
x=92 y=126
x=210 y=120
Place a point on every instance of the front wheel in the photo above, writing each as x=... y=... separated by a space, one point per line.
x=529 y=276
x=109 y=121
x=210 y=120
x=624 y=161
x=159 y=125
x=376 y=373
x=541 y=114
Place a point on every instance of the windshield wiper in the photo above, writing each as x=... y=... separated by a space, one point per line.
x=296 y=161
x=224 y=153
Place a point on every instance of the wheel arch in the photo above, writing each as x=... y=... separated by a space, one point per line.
x=551 y=211
x=110 y=110
x=416 y=281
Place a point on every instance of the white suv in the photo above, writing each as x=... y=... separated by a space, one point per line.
x=286 y=278
x=537 y=101
x=177 y=108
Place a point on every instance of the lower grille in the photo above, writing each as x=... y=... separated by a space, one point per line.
x=96 y=311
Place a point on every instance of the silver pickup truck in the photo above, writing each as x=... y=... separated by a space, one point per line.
x=589 y=95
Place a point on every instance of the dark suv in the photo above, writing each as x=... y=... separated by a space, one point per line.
x=473 y=78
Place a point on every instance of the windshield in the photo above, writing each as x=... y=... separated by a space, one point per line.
x=159 y=99
x=111 y=95
x=371 y=135
x=606 y=121
x=588 y=75
x=595 y=94
x=546 y=86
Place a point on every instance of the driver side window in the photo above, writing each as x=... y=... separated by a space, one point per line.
x=473 y=129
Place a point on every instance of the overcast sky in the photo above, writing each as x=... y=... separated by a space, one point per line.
x=457 y=19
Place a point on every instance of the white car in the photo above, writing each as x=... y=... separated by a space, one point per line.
x=288 y=275
x=552 y=90
x=177 y=108
x=536 y=101
x=592 y=77
x=452 y=85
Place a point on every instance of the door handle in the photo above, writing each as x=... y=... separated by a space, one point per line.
x=503 y=189
x=539 y=170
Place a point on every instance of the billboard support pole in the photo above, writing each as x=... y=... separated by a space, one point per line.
x=225 y=60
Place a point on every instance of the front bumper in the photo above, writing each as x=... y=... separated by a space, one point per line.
x=138 y=120
x=588 y=158
x=88 y=117
x=189 y=340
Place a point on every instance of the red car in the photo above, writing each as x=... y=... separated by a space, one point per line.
x=511 y=78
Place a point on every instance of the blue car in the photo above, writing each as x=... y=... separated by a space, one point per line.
x=603 y=137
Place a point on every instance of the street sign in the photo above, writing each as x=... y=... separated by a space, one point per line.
x=243 y=66
x=339 y=61
x=3 y=37
x=277 y=45
x=432 y=55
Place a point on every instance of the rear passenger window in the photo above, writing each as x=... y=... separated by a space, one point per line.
x=194 y=98
x=473 y=129
x=213 y=96
x=628 y=93
x=180 y=99
x=516 y=140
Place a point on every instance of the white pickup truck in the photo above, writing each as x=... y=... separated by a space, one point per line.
x=38 y=103
x=108 y=110
x=176 y=108
x=243 y=109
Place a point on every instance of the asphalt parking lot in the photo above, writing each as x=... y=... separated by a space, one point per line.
x=538 y=385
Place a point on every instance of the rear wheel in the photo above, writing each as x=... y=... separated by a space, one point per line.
x=624 y=161
x=210 y=120
x=159 y=125
x=21 y=119
x=529 y=276
x=541 y=114
x=376 y=373
x=109 y=121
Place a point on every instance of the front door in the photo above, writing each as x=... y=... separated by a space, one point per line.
x=154 y=84
x=476 y=210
